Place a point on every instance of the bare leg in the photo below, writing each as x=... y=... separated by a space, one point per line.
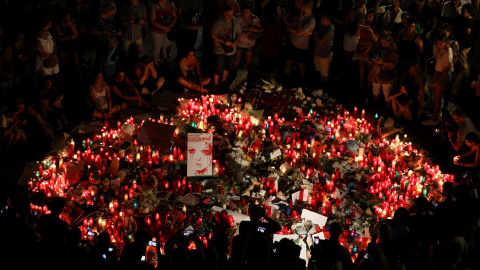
x=224 y=76
x=248 y=59
x=437 y=101
x=288 y=66
x=238 y=57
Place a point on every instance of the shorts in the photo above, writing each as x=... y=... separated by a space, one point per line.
x=247 y=49
x=223 y=62
x=297 y=55
x=321 y=65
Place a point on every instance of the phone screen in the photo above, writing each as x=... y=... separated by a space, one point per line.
x=366 y=256
x=187 y=233
x=316 y=240
x=152 y=243
x=143 y=258
x=261 y=229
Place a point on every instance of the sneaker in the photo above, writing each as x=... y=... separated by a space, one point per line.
x=430 y=122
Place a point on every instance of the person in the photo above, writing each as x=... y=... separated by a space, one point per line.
x=67 y=37
x=133 y=16
x=23 y=52
x=367 y=37
x=300 y=29
x=132 y=252
x=383 y=61
x=225 y=32
x=11 y=133
x=353 y=19
x=189 y=13
x=410 y=45
x=258 y=216
x=463 y=34
x=323 y=36
x=105 y=31
x=100 y=98
x=408 y=101
x=145 y=76
x=190 y=73
x=472 y=141
x=53 y=231
x=331 y=253
x=162 y=18
x=392 y=15
x=441 y=78
x=452 y=8
x=456 y=136
x=251 y=27
x=7 y=63
x=100 y=257
x=270 y=47
x=424 y=14
x=46 y=60
x=124 y=90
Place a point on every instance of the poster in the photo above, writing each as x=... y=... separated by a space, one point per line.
x=199 y=154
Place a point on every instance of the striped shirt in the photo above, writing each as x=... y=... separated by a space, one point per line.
x=133 y=31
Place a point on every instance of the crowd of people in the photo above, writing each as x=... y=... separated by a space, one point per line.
x=410 y=58
x=421 y=54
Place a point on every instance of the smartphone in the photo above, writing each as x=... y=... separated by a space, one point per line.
x=110 y=249
x=152 y=243
x=366 y=255
x=187 y=233
x=91 y=233
x=143 y=258
x=261 y=229
x=104 y=256
x=434 y=203
x=316 y=240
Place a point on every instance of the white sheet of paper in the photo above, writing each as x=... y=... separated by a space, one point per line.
x=316 y=218
x=296 y=196
x=275 y=154
x=237 y=217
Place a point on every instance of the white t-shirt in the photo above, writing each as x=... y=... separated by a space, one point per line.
x=223 y=30
x=444 y=58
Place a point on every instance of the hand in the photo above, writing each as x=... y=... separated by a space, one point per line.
x=456 y=160
x=378 y=61
x=228 y=43
x=233 y=44
x=73 y=37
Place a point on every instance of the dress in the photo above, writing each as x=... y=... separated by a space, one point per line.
x=47 y=46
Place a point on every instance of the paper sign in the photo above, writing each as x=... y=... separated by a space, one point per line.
x=275 y=154
x=200 y=152
x=318 y=219
x=237 y=217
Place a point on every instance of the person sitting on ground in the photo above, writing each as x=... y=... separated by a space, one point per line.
x=145 y=76
x=101 y=100
x=190 y=73
x=51 y=108
x=456 y=136
x=124 y=89
x=11 y=133
x=409 y=99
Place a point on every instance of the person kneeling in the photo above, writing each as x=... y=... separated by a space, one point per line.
x=190 y=73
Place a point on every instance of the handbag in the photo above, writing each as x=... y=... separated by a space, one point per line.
x=228 y=49
x=49 y=63
x=430 y=66
x=112 y=42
